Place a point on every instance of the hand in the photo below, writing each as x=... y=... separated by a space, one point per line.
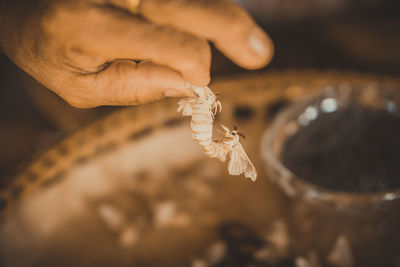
x=97 y=52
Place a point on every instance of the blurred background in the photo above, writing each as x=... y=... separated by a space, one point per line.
x=361 y=35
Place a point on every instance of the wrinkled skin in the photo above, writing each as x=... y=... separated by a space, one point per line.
x=98 y=52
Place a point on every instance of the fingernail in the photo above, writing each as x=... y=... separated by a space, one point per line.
x=258 y=42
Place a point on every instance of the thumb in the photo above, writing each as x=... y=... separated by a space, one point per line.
x=125 y=82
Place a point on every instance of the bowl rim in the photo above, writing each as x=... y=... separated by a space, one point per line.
x=293 y=185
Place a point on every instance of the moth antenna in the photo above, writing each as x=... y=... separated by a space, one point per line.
x=242 y=135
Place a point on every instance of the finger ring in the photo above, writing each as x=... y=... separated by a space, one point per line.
x=133 y=6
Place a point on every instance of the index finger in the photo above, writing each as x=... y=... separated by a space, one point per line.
x=227 y=25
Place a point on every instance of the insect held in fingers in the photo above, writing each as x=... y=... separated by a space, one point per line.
x=203 y=109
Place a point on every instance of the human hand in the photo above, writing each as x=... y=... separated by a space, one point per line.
x=98 y=52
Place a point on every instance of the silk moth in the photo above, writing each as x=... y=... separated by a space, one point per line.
x=203 y=108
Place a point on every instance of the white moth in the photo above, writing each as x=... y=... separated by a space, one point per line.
x=203 y=108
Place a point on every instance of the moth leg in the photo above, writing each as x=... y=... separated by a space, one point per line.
x=219 y=105
x=212 y=113
x=216 y=107
x=185 y=106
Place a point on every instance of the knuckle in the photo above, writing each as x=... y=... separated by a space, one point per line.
x=60 y=17
x=51 y=17
x=239 y=22
x=234 y=13
x=74 y=92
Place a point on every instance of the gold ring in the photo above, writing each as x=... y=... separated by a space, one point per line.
x=133 y=6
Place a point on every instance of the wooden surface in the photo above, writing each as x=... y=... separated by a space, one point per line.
x=146 y=155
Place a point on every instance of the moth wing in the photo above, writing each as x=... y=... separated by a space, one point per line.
x=240 y=163
x=235 y=163
x=186 y=106
x=221 y=151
